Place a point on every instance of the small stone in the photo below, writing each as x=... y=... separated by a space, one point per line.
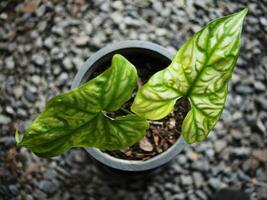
x=243 y=89
x=118 y=5
x=67 y=63
x=179 y=196
x=9 y=110
x=261 y=126
x=215 y=183
x=181 y=159
x=145 y=145
x=21 y=112
x=18 y=91
x=198 y=179
x=38 y=59
x=50 y=174
x=192 y=197
x=81 y=40
x=157 y=5
x=240 y=151
x=186 y=180
x=63 y=77
x=30 y=96
x=9 y=62
x=201 y=165
x=41 y=10
x=38 y=194
x=13 y=190
x=243 y=177
x=201 y=195
x=49 y=43
x=259 y=86
x=78 y=62
x=29 y=197
x=263 y=21
x=261 y=175
x=36 y=79
x=56 y=70
x=7 y=141
x=219 y=145
x=4 y=119
x=48 y=187
x=88 y=28
x=58 y=30
x=3 y=16
x=161 y=32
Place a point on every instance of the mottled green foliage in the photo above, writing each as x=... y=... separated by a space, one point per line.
x=77 y=118
x=200 y=71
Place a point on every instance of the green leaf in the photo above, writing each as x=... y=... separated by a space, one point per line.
x=77 y=118
x=200 y=71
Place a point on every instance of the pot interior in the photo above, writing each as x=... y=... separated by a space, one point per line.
x=146 y=61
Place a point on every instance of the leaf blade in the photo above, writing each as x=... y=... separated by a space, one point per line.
x=200 y=71
x=76 y=118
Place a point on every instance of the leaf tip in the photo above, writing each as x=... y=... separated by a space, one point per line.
x=242 y=13
x=17 y=137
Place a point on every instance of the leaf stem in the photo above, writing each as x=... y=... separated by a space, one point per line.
x=155 y=123
x=125 y=110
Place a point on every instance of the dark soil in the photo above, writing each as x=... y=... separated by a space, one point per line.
x=161 y=135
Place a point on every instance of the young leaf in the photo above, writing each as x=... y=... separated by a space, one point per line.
x=77 y=118
x=200 y=71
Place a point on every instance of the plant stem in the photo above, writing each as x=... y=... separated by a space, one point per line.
x=155 y=123
x=125 y=110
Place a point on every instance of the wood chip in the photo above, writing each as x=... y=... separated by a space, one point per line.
x=156 y=138
x=145 y=145
x=172 y=123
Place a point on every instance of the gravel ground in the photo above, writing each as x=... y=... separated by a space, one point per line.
x=44 y=43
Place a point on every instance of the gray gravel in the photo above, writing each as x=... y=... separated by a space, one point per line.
x=42 y=45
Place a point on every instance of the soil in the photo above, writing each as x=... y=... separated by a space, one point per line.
x=160 y=136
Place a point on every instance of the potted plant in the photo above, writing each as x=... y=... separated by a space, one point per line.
x=103 y=114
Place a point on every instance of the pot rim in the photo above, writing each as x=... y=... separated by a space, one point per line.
x=106 y=159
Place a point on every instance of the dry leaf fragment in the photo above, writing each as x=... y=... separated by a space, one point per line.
x=145 y=145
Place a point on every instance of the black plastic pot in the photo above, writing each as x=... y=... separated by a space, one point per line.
x=141 y=54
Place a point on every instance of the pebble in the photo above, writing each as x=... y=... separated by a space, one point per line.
x=67 y=63
x=263 y=21
x=48 y=186
x=4 y=119
x=81 y=40
x=22 y=112
x=215 y=183
x=186 y=180
x=219 y=145
x=38 y=59
x=201 y=195
x=63 y=77
x=259 y=86
x=10 y=63
x=243 y=89
x=118 y=5
x=180 y=196
x=30 y=96
x=13 y=189
x=49 y=43
x=198 y=179
x=240 y=151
